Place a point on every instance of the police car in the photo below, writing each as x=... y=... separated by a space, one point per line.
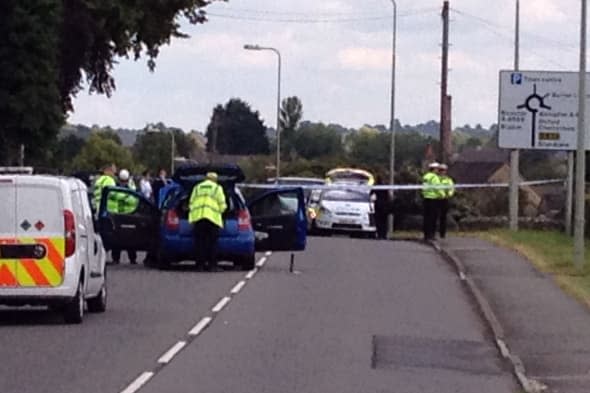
x=50 y=254
x=272 y=221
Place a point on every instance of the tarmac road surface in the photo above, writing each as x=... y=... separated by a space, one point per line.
x=355 y=316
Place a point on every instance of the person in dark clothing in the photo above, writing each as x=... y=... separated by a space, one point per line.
x=160 y=182
x=382 y=204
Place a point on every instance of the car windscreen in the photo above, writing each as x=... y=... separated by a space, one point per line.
x=345 y=196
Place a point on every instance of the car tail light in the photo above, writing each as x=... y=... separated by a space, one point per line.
x=244 y=221
x=69 y=233
x=172 y=220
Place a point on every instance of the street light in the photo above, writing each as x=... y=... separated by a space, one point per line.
x=258 y=47
x=392 y=118
x=152 y=129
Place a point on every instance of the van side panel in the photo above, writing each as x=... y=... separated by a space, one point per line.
x=40 y=221
x=7 y=230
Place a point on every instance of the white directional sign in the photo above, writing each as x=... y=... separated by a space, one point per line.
x=539 y=110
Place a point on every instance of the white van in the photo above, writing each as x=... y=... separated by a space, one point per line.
x=49 y=252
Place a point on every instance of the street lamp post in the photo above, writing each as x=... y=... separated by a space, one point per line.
x=276 y=51
x=392 y=117
x=152 y=129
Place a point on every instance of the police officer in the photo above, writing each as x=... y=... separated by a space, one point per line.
x=382 y=203
x=207 y=204
x=127 y=204
x=444 y=194
x=107 y=179
x=430 y=181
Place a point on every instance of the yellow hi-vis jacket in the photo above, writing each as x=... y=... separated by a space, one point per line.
x=101 y=183
x=446 y=193
x=428 y=180
x=207 y=203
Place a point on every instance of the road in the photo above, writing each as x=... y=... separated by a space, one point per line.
x=356 y=316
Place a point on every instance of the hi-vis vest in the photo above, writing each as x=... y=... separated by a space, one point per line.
x=207 y=203
x=100 y=184
x=430 y=179
x=446 y=193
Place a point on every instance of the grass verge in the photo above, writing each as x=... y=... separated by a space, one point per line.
x=552 y=253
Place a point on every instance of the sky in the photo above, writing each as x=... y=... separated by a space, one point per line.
x=336 y=57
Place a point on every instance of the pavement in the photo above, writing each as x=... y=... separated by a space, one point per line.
x=355 y=316
x=544 y=329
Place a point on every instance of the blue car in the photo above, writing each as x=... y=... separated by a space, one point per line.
x=274 y=220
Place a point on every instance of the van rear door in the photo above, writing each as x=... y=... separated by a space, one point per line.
x=40 y=218
x=7 y=231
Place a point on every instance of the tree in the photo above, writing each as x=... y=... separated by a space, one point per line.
x=95 y=32
x=30 y=110
x=315 y=140
x=290 y=116
x=153 y=149
x=100 y=151
x=237 y=130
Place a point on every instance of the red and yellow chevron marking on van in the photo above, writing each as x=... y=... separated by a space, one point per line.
x=46 y=272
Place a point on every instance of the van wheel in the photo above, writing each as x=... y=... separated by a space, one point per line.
x=99 y=302
x=73 y=311
x=247 y=262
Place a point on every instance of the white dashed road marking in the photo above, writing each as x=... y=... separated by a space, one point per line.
x=251 y=274
x=235 y=290
x=169 y=355
x=139 y=382
x=221 y=304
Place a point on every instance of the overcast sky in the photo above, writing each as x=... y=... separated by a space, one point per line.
x=337 y=59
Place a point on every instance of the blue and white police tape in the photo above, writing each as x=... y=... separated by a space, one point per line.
x=400 y=187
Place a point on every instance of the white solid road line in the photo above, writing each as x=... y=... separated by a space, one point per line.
x=199 y=327
x=169 y=355
x=235 y=290
x=221 y=304
x=261 y=262
x=139 y=382
x=251 y=274
x=268 y=253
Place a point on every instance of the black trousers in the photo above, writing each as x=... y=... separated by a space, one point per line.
x=381 y=224
x=206 y=234
x=429 y=219
x=116 y=254
x=443 y=209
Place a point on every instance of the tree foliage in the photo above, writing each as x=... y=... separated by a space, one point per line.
x=95 y=32
x=236 y=129
x=317 y=140
x=153 y=149
x=29 y=95
x=290 y=116
x=100 y=151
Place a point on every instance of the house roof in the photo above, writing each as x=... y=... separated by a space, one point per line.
x=473 y=172
x=483 y=155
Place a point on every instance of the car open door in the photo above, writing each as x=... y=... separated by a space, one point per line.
x=279 y=220
x=127 y=220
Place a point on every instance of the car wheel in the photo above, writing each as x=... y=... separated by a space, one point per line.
x=99 y=302
x=73 y=311
x=248 y=262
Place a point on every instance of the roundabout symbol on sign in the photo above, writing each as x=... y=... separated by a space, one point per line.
x=533 y=104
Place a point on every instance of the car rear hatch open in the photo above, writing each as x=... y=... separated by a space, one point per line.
x=190 y=175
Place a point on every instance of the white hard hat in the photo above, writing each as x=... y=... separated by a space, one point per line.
x=124 y=174
x=434 y=165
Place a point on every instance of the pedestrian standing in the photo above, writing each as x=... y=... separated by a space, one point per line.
x=145 y=186
x=207 y=204
x=444 y=195
x=127 y=204
x=382 y=205
x=430 y=181
x=107 y=179
x=159 y=183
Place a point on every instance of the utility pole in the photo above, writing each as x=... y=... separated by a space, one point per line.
x=445 y=113
x=392 y=113
x=579 y=220
x=515 y=154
